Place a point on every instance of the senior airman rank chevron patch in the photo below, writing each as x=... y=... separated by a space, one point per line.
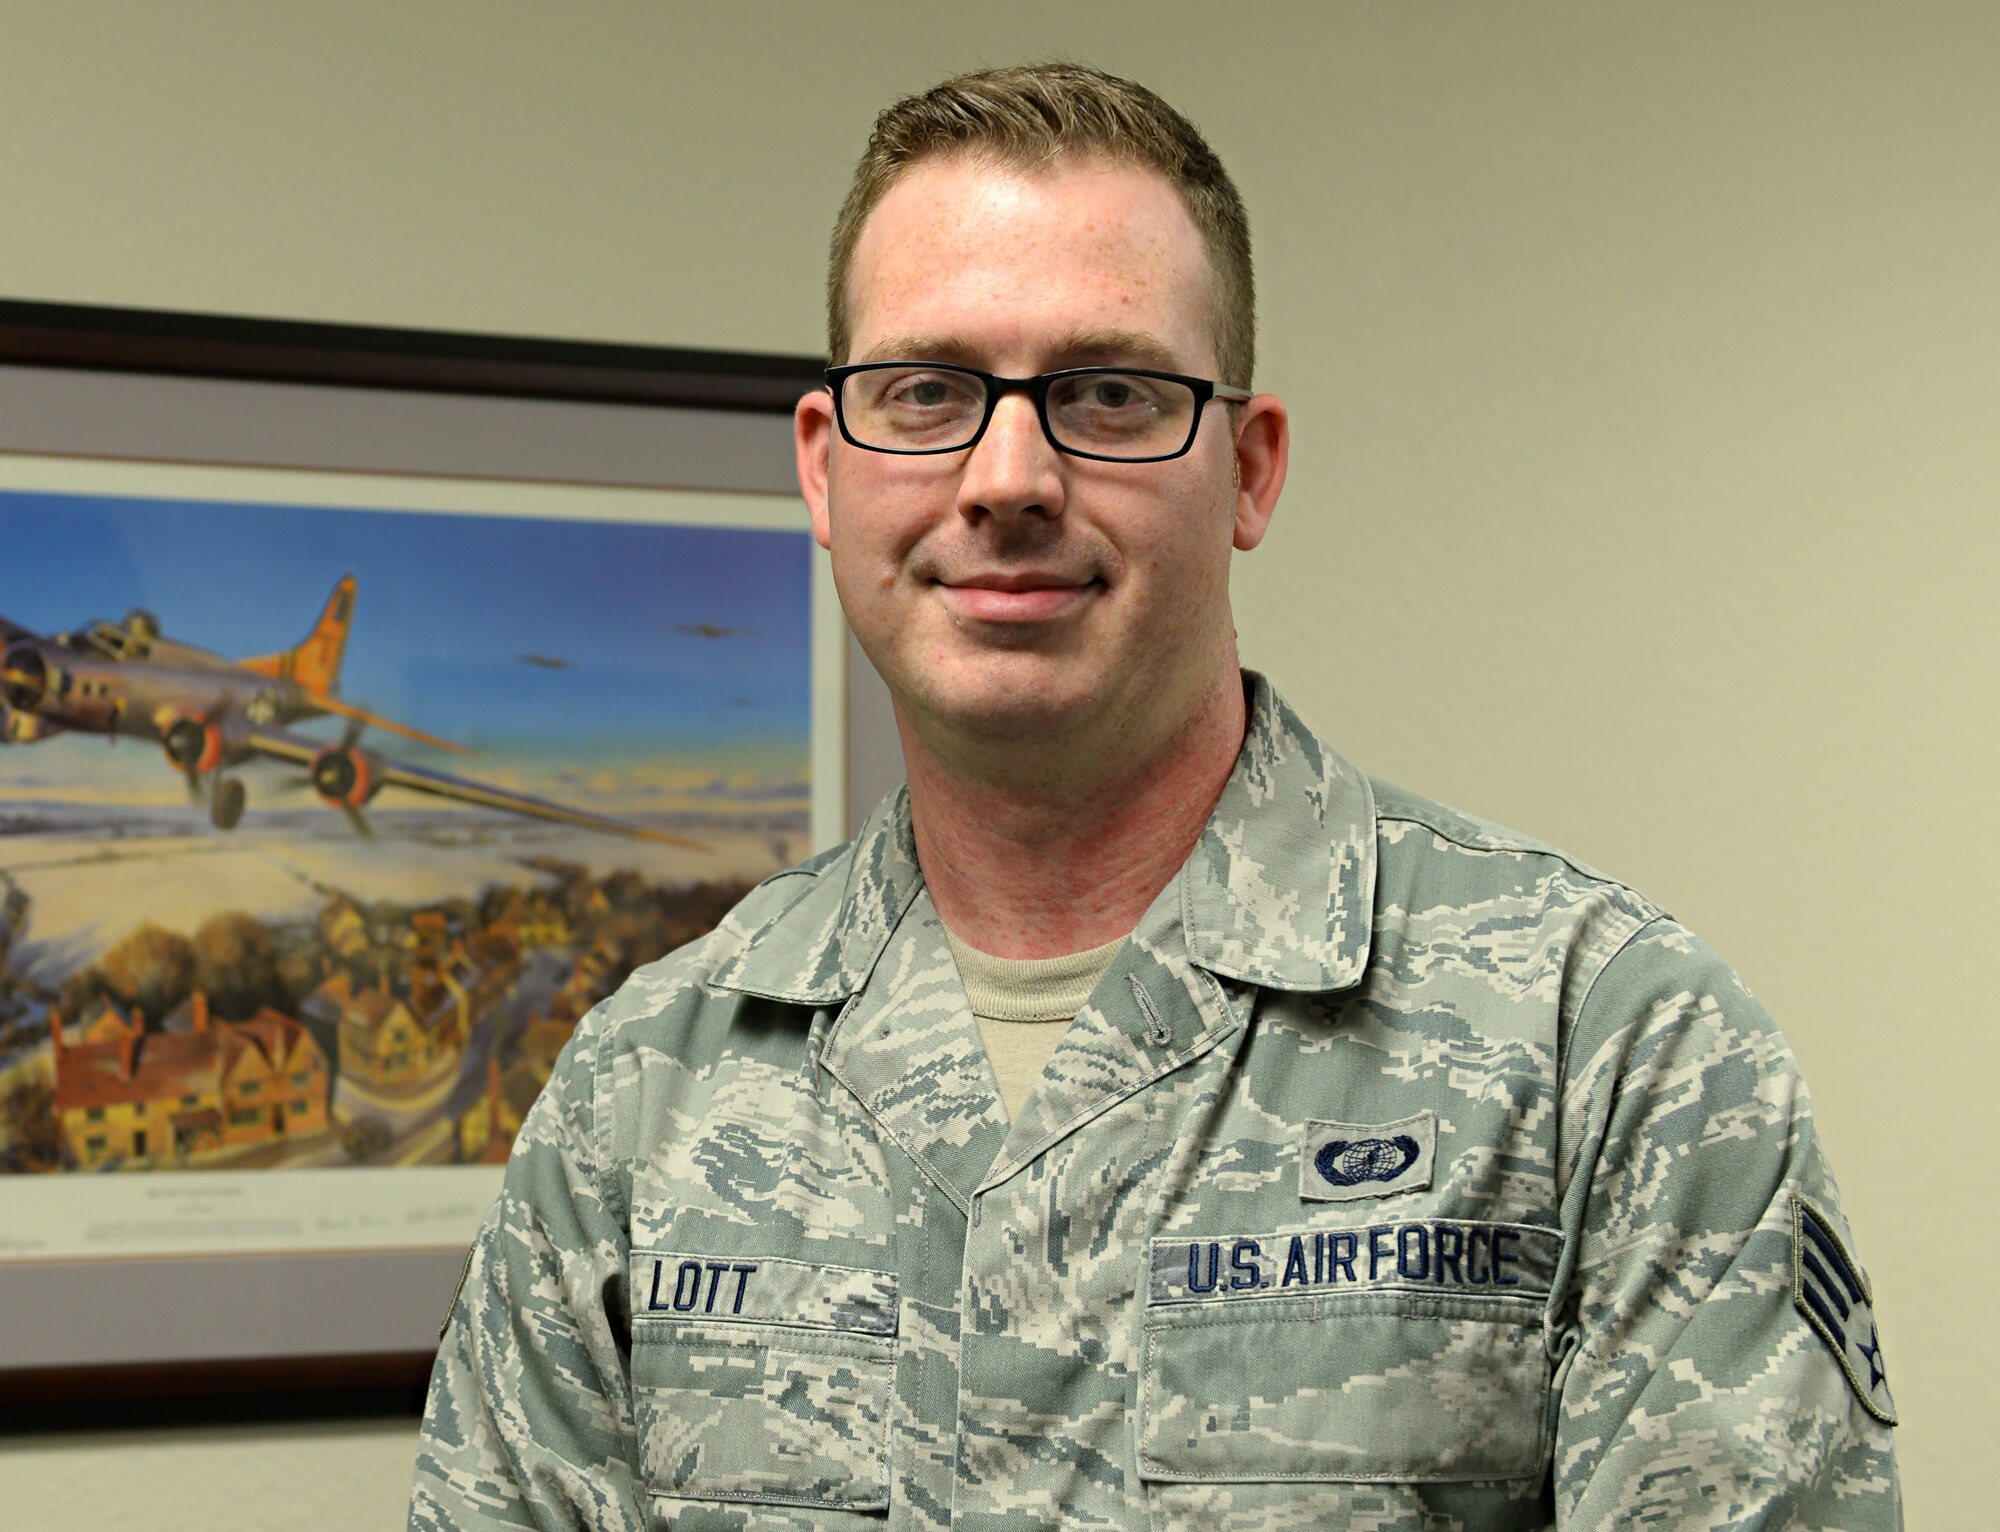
x=1832 y=1292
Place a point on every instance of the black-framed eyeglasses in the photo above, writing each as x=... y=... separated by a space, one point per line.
x=1113 y=414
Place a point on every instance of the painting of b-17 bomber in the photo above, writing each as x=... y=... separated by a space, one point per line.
x=317 y=854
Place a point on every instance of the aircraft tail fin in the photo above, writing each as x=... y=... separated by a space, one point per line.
x=315 y=664
x=314 y=667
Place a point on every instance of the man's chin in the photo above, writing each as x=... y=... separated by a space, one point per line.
x=1022 y=702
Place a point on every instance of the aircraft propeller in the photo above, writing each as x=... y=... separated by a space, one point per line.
x=195 y=746
x=343 y=776
x=26 y=678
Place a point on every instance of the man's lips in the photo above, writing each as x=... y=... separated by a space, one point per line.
x=1014 y=596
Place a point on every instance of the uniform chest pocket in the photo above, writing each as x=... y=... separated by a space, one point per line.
x=1370 y=1365
x=763 y=1381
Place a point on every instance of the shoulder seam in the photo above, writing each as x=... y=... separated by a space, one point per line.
x=1651 y=911
x=812 y=868
x=1624 y=946
x=796 y=870
x=805 y=870
x=1566 y=1035
x=607 y=1169
x=790 y=872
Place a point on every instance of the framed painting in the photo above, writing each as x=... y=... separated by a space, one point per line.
x=372 y=703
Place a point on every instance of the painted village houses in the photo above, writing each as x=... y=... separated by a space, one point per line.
x=529 y=918
x=388 y=1041
x=381 y=1039
x=125 y=1094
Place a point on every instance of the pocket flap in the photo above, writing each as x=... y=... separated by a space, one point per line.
x=1348 y=1355
x=764 y=1380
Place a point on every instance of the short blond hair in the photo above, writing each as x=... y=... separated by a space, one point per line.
x=1030 y=115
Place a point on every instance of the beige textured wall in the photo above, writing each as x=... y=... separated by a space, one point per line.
x=1644 y=361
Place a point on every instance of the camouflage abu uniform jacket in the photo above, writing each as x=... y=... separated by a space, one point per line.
x=1398 y=1174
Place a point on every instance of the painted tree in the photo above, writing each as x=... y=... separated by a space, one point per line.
x=28 y=1139
x=152 y=969
x=236 y=963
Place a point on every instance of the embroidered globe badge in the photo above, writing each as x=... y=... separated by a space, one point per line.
x=1349 y=1162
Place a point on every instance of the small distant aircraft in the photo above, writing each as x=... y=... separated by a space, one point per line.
x=208 y=714
x=546 y=661
x=705 y=630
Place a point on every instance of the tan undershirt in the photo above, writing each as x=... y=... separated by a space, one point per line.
x=1023 y=1007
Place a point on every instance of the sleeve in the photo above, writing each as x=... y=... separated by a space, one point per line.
x=1699 y=1388
x=528 y=1421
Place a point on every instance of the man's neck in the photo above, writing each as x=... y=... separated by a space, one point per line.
x=1040 y=864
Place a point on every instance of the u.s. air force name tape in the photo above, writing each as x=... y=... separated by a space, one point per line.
x=1461 y=1256
x=1832 y=1291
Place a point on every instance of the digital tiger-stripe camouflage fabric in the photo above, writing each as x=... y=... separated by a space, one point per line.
x=1400 y=1173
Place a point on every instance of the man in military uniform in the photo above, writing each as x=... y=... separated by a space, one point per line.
x=1148 y=1120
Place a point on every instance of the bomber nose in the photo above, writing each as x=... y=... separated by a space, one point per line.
x=26 y=678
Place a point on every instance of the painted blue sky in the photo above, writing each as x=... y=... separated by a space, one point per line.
x=446 y=605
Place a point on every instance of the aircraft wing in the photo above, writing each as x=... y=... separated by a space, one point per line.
x=347 y=775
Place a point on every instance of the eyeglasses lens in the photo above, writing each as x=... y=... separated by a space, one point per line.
x=932 y=409
x=1120 y=414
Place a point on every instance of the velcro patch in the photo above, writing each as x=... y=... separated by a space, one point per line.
x=1346 y=1161
x=1832 y=1291
x=761 y=1290
x=1466 y=1257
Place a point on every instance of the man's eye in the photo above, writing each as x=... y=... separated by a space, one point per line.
x=1112 y=394
x=929 y=391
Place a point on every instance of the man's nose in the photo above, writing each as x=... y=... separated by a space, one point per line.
x=1012 y=469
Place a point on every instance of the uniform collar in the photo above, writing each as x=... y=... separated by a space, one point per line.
x=1277 y=892
x=1280 y=888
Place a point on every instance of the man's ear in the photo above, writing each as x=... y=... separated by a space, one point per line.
x=1263 y=450
x=812 y=440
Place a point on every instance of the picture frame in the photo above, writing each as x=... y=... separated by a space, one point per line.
x=140 y=403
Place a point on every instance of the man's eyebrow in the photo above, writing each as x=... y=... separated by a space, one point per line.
x=1093 y=348
x=1084 y=348
x=920 y=348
